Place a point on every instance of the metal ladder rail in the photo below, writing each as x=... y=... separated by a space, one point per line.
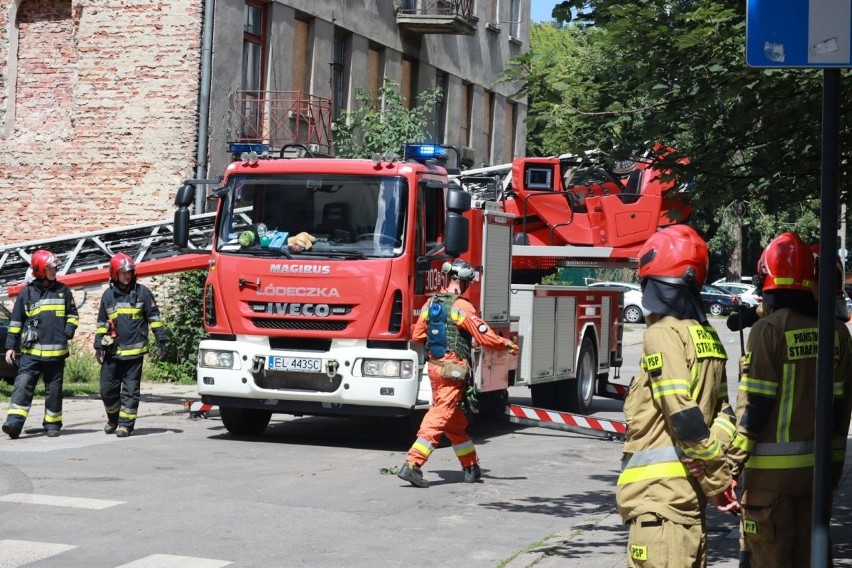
x=90 y=252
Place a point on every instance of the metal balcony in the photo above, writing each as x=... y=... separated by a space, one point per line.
x=437 y=17
x=276 y=118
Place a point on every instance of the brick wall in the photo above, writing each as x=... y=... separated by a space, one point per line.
x=101 y=125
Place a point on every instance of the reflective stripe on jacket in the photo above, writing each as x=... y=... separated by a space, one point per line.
x=51 y=313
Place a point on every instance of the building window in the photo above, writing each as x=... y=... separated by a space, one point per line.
x=439 y=130
x=509 y=131
x=254 y=49
x=465 y=118
x=515 y=18
x=487 y=124
x=301 y=55
x=494 y=13
x=375 y=75
x=408 y=87
x=338 y=74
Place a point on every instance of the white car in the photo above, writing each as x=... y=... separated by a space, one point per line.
x=634 y=311
x=747 y=292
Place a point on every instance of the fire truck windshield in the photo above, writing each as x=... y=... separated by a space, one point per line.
x=351 y=216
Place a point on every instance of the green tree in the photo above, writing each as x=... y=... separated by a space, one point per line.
x=181 y=305
x=384 y=124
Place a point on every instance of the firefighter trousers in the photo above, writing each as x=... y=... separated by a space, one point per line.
x=775 y=530
x=29 y=371
x=120 y=385
x=444 y=418
x=656 y=542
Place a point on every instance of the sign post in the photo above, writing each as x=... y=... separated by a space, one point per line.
x=813 y=34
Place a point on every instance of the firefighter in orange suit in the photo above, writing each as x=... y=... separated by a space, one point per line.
x=774 y=446
x=676 y=410
x=448 y=324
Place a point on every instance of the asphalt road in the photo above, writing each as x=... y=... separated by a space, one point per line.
x=310 y=492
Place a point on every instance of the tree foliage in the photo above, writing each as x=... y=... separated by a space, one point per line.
x=627 y=74
x=384 y=124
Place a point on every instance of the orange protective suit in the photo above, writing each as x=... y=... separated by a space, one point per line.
x=446 y=416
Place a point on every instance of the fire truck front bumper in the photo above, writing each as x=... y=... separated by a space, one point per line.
x=348 y=379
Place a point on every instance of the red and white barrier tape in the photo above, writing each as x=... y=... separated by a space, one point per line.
x=564 y=421
x=198 y=409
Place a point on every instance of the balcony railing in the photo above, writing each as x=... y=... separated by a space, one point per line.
x=437 y=17
x=277 y=118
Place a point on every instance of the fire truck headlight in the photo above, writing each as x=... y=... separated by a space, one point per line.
x=387 y=368
x=217 y=359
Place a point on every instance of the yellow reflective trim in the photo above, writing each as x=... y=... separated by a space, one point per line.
x=13 y=329
x=156 y=324
x=758 y=386
x=127 y=415
x=707 y=454
x=423 y=449
x=58 y=309
x=45 y=353
x=52 y=419
x=653 y=362
x=671 y=386
x=652 y=471
x=744 y=444
x=18 y=412
x=780 y=462
x=725 y=425
x=138 y=351
x=706 y=342
x=785 y=404
x=801 y=343
x=839 y=389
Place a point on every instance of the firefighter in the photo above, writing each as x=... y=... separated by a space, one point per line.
x=127 y=310
x=43 y=320
x=774 y=446
x=677 y=413
x=448 y=324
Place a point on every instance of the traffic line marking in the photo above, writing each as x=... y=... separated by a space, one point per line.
x=14 y=553
x=172 y=561
x=59 y=501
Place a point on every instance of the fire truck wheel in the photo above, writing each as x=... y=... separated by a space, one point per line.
x=245 y=421
x=543 y=395
x=576 y=395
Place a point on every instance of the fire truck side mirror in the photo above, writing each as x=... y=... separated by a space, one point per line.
x=185 y=196
x=456 y=234
x=458 y=200
x=181 y=228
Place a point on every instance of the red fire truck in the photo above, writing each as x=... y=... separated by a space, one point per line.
x=326 y=330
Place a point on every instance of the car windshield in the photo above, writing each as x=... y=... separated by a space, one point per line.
x=351 y=216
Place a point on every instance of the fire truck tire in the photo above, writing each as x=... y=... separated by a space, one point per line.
x=544 y=395
x=576 y=395
x=245 y=421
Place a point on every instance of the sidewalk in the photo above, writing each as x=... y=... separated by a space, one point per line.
x=600 y=540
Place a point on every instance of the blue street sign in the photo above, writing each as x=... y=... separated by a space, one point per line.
x=798 y=33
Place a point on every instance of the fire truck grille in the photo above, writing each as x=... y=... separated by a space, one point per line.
x=299 y=325
x=279 y=380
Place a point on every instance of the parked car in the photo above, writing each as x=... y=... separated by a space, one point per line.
x=718 y=302
x=7 y=371
x=747 y=292
x=634 y=311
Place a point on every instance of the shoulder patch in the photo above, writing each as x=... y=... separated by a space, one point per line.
x=653 y=363
x=706 y=342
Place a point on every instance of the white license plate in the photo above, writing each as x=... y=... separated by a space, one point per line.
x=301 y=364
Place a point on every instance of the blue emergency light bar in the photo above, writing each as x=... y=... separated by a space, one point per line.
x=240 y=147
x=423 y=152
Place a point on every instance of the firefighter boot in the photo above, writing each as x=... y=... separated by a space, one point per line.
x=11 y=431
x=122 y=432
x=412 y=474
x=110 y=427
x=472 y=473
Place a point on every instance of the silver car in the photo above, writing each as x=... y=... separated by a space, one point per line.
x=634 y=311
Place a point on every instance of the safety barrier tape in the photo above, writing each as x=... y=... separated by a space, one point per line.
x=198 y=409
x=600 y=427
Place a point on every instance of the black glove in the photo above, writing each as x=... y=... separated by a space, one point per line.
x=745 y=317
x=162 y=351
x=99 y=356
